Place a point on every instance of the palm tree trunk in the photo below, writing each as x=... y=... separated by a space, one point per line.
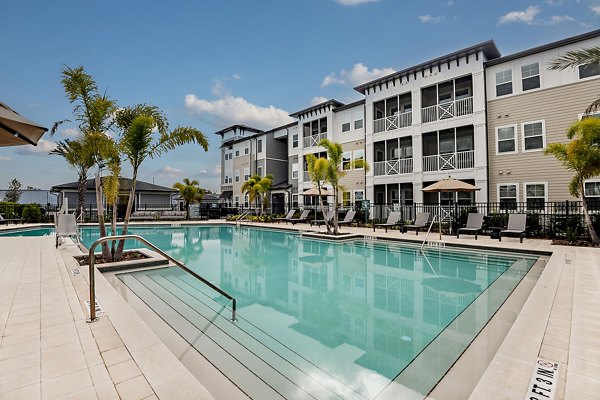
x=335 y=211
x=81 y=189
x=113 y=227
x=187 y=210
x=100 y=209
x=119 y=253
x=588 y=219
x=323 y=209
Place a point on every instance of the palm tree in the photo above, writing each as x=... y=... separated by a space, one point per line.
x=79 y=155
x=138 y=142
x=191 y=192
x=336 y=171
x=94 y=112
x=111 y=186
x=582 y=156
x=317 y=171
x=258 y=187
x=574 y=59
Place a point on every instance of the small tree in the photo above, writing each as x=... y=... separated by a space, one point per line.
x=582 y=156
x=13 y=194
x=317 y=171
x=191 y=192
x=258 y=187
x=336 y=171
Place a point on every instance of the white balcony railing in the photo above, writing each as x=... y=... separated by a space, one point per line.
x=447 y=110
x=312 y=141
x=449 y=161
x=393 y=167
x=392 y=122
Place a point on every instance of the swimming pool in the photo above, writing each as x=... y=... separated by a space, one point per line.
x=318 y=319
x=45 y=231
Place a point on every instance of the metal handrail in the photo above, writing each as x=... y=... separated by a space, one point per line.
x=92 y=258
x=427 y=235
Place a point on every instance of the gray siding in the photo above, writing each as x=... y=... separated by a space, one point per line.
x=559 y=108
x=155 y=199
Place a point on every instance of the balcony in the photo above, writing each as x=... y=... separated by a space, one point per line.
x=392 y=122
x=313 y=141
x=447 y=110
x=449 y=161
x=393 y=167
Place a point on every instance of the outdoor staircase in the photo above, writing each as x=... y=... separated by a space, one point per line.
x=258 y=364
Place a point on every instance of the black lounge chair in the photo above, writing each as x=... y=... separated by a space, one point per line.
x=392 y=221
x=7 y=221
x=516 y=226
x=474 y=223
x=289 y=216
x=302 y=217
x=348 y=219
x=420 y=222
x=319 y=222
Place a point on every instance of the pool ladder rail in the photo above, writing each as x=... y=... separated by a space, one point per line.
x=92 y=258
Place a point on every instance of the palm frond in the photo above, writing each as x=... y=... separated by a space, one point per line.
x=178 y=137
x=575 y=58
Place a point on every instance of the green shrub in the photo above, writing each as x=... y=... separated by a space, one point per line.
x=32 y=213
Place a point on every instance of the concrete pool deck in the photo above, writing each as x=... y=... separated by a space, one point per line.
x=47 y=350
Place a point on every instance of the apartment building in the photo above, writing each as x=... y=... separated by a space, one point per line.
x=472 y=114
x=530 y=106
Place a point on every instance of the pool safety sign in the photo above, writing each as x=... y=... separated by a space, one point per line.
x=99 y=311
x=544 y=380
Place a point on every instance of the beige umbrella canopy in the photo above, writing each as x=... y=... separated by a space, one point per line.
x=449 y=184
x=315 y=192
x=16 y=130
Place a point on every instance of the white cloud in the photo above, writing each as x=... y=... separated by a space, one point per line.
x=229 y=109
x=43 y=148
x=5 y=158
x=219 y=89
x=557 y=19
x=555 y=2
x=170 y=172
x=527 y=16
x=431 y=19
x=71 y=132
x=318 y=100
x=355 y=2
x=236 y=76
x=450 y=3
x=357 y=75
x=595 y=9
x=216 y=171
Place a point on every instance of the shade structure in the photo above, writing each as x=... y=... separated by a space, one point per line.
x=16 y=130
x=315 y=192
x=448 y=184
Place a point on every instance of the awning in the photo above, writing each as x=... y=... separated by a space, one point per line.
x=227 y=194
x=315 y=192
x=16 y=130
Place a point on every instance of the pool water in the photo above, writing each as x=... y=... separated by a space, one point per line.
x=28 y=232
x=370 y=317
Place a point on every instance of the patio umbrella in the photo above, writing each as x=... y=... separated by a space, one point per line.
x=315 y=192
x=449 y=184
x=16 y=130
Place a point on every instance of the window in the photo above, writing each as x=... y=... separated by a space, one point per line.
x=358 y=195
x=533 y=136
x=506 y=139
x=226 y=156
x=535 y=195
x=259 y=171
x=507 y=196
x=346 y=159
x=359 y=155
x=237 y=153
x=358 y=124
x=295 y=140
x=346 y=127
x=295 y=200
x=259 y=146
x=246 y=174
x=323 y=125
x=588 y=70
x=237 y=175
x=295 y=171
x=237 y=201
x=503 y=82
x=346 y=199
x=531 y=76
x=592 y=189
x=247 y=149
x=246 y=200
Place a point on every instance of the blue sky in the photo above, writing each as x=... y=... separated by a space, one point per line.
x=211 y=63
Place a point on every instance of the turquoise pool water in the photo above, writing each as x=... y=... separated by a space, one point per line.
x=376 y=319
x=28 y=232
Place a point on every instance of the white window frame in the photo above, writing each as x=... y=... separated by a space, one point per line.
x=532 y=76
x=516 y=185
x=237 y=201
x=237 y=153
x=237 y=175
x=294 y=200
x=354 y=158
x=259 y=171
x=346 y=124
x=295 y=169
x=591 y=181
x=349 y=199
x=362 y=123
x=512 y=87
x=345 y=153
x=525 y=184
x=259 y=146
x=354 y=195
x=295 y=141
x=514 y=126
x=587 y=77
x=543 y=121
x=246 y=174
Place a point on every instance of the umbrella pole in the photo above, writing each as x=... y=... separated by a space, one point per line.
x=440 y=220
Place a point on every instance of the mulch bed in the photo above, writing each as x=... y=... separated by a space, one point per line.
x=580 y=243
x=127 y=256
